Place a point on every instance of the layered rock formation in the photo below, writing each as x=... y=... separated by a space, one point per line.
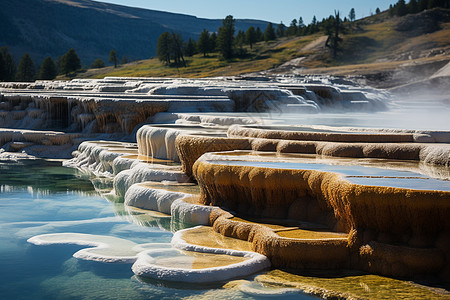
x=331 y=215
x=118 y=105
x=379 y=220
x=306 y=197
x=430 y=147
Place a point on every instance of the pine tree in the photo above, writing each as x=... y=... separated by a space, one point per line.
x=401 y=8
x=70 y=62
x=113 y=57
x=391 y=10
x=377 y=11
x=269 y=33
x=423 y=4
x=163 y=48
x=225 y=37
x=250 y=36
x=259 y=34
x=292 y=29
x=281 y=28
x=438 y=3
x=48 y=69
x=352 y=15
x=313 y=26
x=334 y=28
x=25 y=70
x=2 y=67
x=204 y=43
x=176 y=49
x=301 y=26
x=240 y=38
x=213 y=42
x=190 y=48
x=413 y=7
x=240 y=41
x=97 y=64
x=9 y=66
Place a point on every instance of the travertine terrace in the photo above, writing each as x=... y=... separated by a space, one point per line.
x=302 y=196
x=117 y=105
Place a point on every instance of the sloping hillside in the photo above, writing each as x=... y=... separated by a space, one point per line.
x=51 y=27
x=388 y=51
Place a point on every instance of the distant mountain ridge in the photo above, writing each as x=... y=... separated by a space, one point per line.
x=51 y=27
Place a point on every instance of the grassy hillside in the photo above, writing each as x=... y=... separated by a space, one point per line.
x=263 y=56
x=375 y=43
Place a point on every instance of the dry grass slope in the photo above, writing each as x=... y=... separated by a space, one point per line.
x=373 y=45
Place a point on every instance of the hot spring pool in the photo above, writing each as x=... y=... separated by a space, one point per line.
x=41 y=197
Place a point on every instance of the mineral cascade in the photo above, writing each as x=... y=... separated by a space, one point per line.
x=303 y=197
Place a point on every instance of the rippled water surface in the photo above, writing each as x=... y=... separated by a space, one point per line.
x=39 y=198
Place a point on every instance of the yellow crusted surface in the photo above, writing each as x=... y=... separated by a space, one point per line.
x=206 y=236
x=353 y=286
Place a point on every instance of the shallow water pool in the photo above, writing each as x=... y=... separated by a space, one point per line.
x=363 y=175
x=40 y=197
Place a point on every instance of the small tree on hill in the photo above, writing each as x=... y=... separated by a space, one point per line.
x=2 y=67
x=163 y=48
x=440 y=3
x=292 y=29
x=240 y=41
x=391 y=11
x=190 y=47
x=259 y=35
x=213 y=42
x=113 y=58
x=48 y=69
x=269 y=33
x=9 y=66
x=176 y=49
x=300 y=23
x=70 y=62
x=225 y=37
x=250 y=36
x=401 y=8
x=422 y=5
x=413 y=7
x=333 y=29
x=25 y=70
x=204 y=43
x=281 y=28
x=97 y=64
x=352 y=15
x=301 y=28
x=313 y=27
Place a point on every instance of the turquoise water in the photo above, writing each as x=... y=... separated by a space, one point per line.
x=42 y=197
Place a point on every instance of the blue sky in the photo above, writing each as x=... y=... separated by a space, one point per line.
x=269 y=10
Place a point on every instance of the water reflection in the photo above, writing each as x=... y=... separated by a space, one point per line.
x=41 y=197
x=72 y=205
x=42 y=178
